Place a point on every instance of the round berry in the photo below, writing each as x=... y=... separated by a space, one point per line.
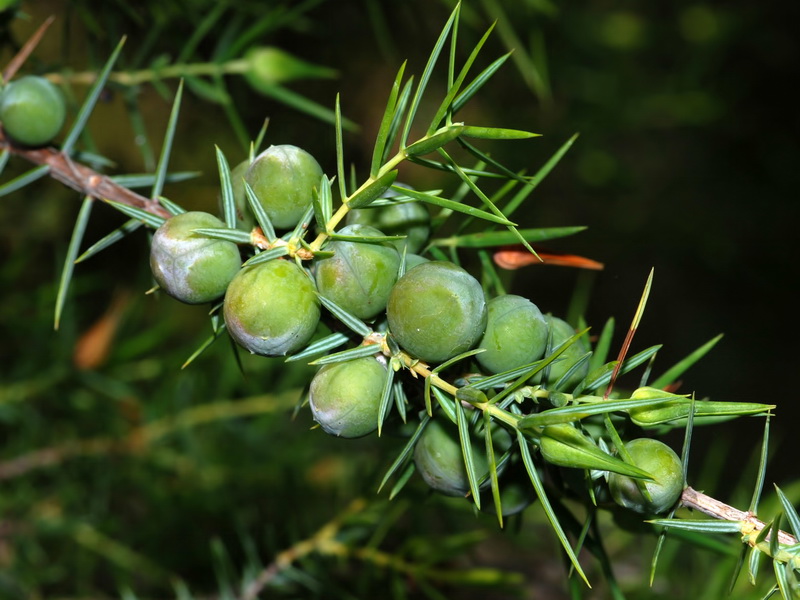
x=283 y=178
x=271 y=308
x=436 y=311
x=516 y=334
x=359 y=275
x=438 y=457
x=345 y=397
x=188 y=266
x=663 y=464
x=32 y=110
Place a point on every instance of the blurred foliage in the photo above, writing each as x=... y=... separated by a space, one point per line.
x=130 y=475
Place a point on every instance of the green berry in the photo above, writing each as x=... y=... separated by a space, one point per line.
x=438 y=457
x=284 y=178
x=561 y=332
x=436 y=311
x=516 y=334
x=410 y=219
x=663 y=464
x=190 y=267
x=359 y=275
x=345 y=397
x=271 y=308
x=32 y=110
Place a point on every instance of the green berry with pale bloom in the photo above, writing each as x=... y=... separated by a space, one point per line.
x=190 y=267
x=663 y=464
x=436 y=311
x=440 y=461
x=271 y=308
x=345 y=397
x=359 y=275
x=516 y=334
x=284 y=178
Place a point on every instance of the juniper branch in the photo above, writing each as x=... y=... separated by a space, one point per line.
x=691 y=498
x=82 y=178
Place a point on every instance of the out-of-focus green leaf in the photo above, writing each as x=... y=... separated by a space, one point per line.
x=602 y=346
x=301 y=103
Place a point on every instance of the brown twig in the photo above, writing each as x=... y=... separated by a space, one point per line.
x=81 y=178
x=712 y=507
x=61 y=167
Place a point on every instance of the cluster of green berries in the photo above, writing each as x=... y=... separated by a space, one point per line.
x=32 y=110
x=431 y=310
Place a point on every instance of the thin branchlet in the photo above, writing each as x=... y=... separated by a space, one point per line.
x=691 y=498
x=82 y=178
